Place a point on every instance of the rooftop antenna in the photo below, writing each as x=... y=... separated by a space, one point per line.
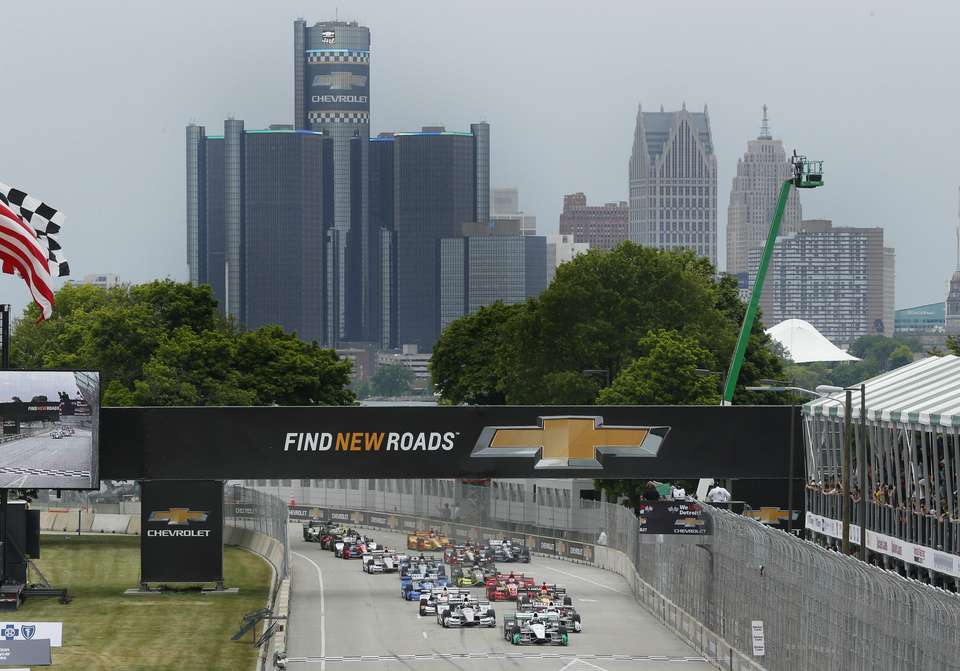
x=765 y=126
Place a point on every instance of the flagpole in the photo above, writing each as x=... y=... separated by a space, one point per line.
x=4 y=363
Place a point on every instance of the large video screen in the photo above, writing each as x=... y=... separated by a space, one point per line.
x=51 y=422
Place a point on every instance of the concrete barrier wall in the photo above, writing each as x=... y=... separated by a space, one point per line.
x=110 y=523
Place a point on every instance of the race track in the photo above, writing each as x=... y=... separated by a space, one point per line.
x=46 y=463
x=343 y=618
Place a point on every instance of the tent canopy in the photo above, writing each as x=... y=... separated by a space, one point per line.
x=806 y=344
x=925 y=392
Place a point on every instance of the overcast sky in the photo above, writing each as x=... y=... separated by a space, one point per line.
x=97 y=94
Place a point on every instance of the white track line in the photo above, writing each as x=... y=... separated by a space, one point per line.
x=323 y=615
x=580 y=577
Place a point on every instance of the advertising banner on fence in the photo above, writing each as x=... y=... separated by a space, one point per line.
x=663 y=520
x=181 y=531
x=663 y=442
x=918 y=555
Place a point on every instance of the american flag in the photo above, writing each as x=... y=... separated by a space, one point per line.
x=28 y=244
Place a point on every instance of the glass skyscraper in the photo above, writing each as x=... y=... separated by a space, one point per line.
x=258 y=216
x=424 y=187
x=332 y=94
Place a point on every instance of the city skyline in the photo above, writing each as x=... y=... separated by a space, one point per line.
x=143 y=131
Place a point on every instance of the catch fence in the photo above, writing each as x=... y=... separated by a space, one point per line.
x=820 y=609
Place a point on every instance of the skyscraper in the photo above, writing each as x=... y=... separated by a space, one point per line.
x=673 y=182
x=952 y=322
x=332 y=94
x=833 y=278
x=600 y=226
x=505 y=209
x=478 y=270
x=258 y=213
x=425 y=187
x=753 y=199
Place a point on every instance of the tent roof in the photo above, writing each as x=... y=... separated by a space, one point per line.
x=805 y=343
x=925 y=392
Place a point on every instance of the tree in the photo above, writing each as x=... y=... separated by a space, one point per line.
x=463 y=366
x=164 y=343
x=391 y=380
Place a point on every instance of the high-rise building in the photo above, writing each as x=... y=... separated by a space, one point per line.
x=260 y=225
x=923 y=323
x=560 y=249
x=673 y=182
x=505 y=211
x=753 y=199
x=830 y=277
x=478 y=270
x=425 y=186
x=889 y=290
x=332 y=94
x=103 y=281
x=600 y=226
x=952 y=320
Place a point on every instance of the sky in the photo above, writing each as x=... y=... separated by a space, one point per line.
x=97 y=95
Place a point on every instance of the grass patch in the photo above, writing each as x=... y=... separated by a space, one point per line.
x=103 y=630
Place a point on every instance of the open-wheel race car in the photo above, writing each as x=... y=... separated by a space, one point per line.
x=467 y=613
x=507 y=586
x=524 y=628
x=424 y=541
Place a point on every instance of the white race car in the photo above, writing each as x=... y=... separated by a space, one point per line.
x=467 y=614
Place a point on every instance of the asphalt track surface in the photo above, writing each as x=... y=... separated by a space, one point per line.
x=342 y=618
x=46 y=463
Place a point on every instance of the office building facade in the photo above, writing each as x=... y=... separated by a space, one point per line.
x=425 y=186
x=673 y=182
x=561 y=249
x=505 y=211
x=259 y=224
x=478 y=270
x=753 y=199
x=832 y=277
x=102 y=281
x=332 y=94
x=600 y=226
x=924 y=323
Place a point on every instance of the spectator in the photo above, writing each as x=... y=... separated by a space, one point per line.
x=446 y=511
x=651 y=493
x=602 y=538
x=718 y=494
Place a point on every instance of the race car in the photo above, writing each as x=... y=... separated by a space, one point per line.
x=535 y=628
x=467 y=614
x=413 y=566
x=426 y=541
x=440 y=597
x=466 y=553
x=313 y=529
x=380 y=561
x=415 y=589
x=468 y=576
x=330 y=536
x=506 y=551
x=506 y=587
x=568 y=615
x=544 y=593
x=356 y=549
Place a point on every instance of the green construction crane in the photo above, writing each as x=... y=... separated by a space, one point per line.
x=806 y=175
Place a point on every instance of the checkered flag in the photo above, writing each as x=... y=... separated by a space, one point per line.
x=28 y=244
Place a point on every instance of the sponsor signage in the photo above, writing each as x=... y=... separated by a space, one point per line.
x=342 y=87
x=34 y=652
x=919 y=555
x=757 y=638
x=673 y=518
x=655 y=442
x=181 y=535
x=32 y=631
x=578 y=551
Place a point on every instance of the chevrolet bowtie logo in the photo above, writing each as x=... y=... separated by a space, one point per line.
x=570 y=442
x=691 y=522
x=340 y=81
x=178 y=516
x=768 y=515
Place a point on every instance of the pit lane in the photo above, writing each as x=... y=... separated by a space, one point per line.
x=358 y=620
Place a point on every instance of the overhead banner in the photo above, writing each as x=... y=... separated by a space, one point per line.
x=663 y=442
x=181 y=531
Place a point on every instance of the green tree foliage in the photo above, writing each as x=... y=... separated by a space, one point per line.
x=463 y=365
x=878 y=355
x=391 y=380
x=164 y=343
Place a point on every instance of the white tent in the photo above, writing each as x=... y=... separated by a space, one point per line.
x=805 y=344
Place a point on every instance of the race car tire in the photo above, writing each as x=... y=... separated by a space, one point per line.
x=444 y=622
x=422 y=611
x=567 y=601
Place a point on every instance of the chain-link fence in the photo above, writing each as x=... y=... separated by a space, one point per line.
x=262 y=512
x=820 y=610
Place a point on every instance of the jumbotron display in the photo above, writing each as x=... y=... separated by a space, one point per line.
x=50 y=425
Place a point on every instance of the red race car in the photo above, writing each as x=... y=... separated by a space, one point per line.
x=506 y=586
